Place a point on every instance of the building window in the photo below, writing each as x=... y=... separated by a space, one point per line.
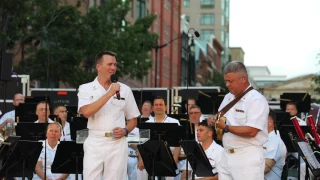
x=141 y=10
x=186 y=3
x=188 y=18
x=223 y=3
x=207 y=19
x=207 y=3
x=223 y=21
x=206 y=34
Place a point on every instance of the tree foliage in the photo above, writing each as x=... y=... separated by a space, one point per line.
x=216 y=79
x=62 y=43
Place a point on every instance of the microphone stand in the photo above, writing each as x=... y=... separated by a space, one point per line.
x=188 y=123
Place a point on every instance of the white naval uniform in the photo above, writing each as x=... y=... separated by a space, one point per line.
x=142 y=175
x=247 y=160
x=132 y=161
x=105 y=156
x=49 y=121
x=213 y=153
x=51 y=152
x=66 y=134
x=10 y=114
x=275 y=149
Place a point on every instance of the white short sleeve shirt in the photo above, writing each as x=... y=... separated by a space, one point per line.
x=251 y=110
x=275 y=149
x=213 y=154
x=114 y=112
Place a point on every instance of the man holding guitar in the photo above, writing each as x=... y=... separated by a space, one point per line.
x=245 y=113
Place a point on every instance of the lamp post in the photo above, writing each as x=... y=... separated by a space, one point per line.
x=157 y=47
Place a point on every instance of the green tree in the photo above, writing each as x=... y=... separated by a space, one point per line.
x=14 y=18
x=106 y=29
x=217 y=79
x=64 y=42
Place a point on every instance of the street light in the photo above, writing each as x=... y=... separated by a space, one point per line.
x=157 y=47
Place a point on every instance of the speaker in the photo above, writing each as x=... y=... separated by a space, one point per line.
x=6 y=66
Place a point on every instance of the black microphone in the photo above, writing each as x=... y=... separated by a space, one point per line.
x=114 y=79
x=196 y=33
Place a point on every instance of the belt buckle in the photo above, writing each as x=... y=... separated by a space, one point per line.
x=108 y=134
x=231 y=151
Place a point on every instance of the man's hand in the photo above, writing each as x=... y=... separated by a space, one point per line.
x=10 y=120
x=140 y=164
x=211 y=120
x=119 y=132
x=114 y=88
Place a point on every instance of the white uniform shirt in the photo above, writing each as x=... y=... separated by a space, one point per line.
x=251 y=110
x=66 y=134
x=213 y=153
x=114 y=112
x=51 y=152
x=275 y=149
x=49 y=121
x=167 y=119
x=10 y=114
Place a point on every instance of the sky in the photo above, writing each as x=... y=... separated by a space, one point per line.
x=281 y=34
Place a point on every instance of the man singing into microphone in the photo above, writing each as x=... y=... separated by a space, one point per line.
x=105 y=149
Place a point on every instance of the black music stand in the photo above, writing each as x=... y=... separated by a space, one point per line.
x=157 y=158
x=68 y=158
x=307 y=154
x=32 y=131
x=77 y=123
x=286 y=130
x=191 y=130
x=169 y=132
x=197 y=159
x=22 y=160
x=6 y=148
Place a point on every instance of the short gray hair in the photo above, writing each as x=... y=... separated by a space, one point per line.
x=235 y=67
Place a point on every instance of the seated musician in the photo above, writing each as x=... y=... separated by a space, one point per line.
x=62 y=113
x=9 y=117
x=212 y=149
x=43 y=112
x=275 y=151
x=292 y=109
x=159 y=109
x=53 y=135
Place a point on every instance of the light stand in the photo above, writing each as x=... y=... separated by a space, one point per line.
x=196 y=33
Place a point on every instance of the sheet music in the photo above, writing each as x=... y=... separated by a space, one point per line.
x=308 y=153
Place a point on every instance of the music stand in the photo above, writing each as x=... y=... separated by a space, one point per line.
x=307 y=154
x=22 y=160
x=197 y=159
x=285 y=130
x=25 y=112
x=6 y=148
x=68 y=158
x=77 y=123
x=157 y=158
x=191 y=130
x=169 y=132
x=31 y=131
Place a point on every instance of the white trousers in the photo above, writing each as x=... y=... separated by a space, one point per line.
x=104 y=157
x=132 y=168
x=245 y=163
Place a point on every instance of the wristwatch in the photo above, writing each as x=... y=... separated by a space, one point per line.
x=226 y=129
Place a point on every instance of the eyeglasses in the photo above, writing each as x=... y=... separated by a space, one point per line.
x=63 y=111
x=194 y=112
